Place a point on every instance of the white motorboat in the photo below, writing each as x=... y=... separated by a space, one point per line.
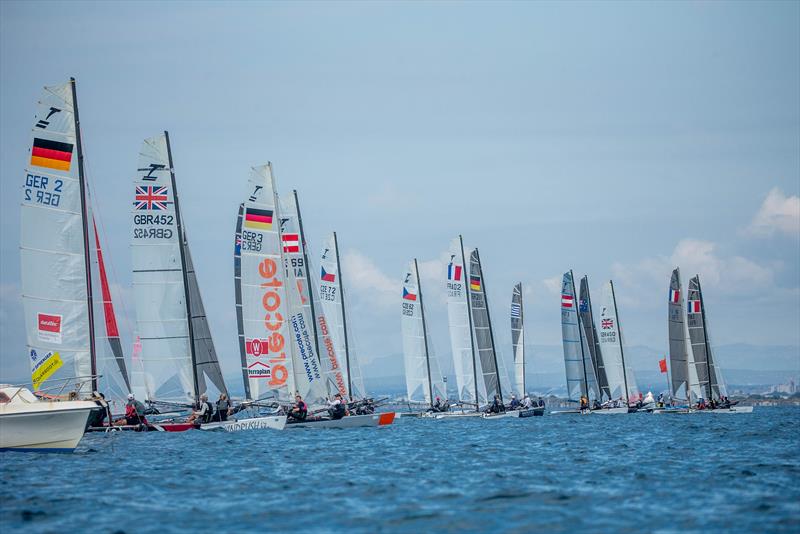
x=30 y=424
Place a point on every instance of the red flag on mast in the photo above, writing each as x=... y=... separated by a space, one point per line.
x=662 y=364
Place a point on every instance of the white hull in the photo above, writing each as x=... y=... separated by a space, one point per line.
x=504 y=415
x=27 y=423
x=732 y=409
x=277 y=422
x=352 y=421
x=610 y=411
x=451 y=415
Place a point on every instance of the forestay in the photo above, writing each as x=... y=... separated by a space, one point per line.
x=264 y=296
x=423 y=375
x=466 y=365
x=581 y=379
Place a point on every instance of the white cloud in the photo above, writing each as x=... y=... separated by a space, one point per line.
x=366 y=279
x=553 y=285
x=778 y=213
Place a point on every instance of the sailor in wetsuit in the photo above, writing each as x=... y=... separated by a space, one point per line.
x=134 y=413
x=300 y=410
x=497 y=405
x=514 y=404
x=204 y=413
x=336 y=408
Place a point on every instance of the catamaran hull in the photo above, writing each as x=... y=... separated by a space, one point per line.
x=732 y=409
x=51 y=428
x=610 y=411
x=277 y=422
x=451 y=415
x=352 y=421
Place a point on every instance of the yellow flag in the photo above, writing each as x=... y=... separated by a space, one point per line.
x=45 y=368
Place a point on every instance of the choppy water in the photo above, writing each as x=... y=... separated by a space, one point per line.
x=555 y=473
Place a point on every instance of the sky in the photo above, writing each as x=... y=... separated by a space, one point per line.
x=616 y=139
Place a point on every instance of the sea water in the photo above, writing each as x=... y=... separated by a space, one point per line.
x=557 y=473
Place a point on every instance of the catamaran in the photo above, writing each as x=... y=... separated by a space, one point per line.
x=425 y=383
x=60 y=266
x=518 y=345
x=177 y=350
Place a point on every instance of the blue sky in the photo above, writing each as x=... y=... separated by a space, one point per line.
x=616 y=139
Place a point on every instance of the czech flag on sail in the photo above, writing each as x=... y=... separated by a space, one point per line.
x=567 y=301
x=407 y=295
x=694 y=306
x=662 y=364
x=291 y=243
x=674 y=296
x=258 y=219
x=454 y=272
x=326 y=276
x=475 y=283
x=51 y=154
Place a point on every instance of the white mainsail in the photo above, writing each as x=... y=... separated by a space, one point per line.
x=177 y=350
x=465 y=361
x=518 y=339
x=332 y=321
x=265 y=309
x=424 y=381
x=611 y=347
x=581 y=379
x=54 y=246
x=308 y=372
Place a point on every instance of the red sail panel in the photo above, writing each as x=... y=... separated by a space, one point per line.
x=108 y=307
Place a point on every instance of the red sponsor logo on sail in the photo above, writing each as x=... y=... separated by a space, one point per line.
x=49 y=327
x=256 y=347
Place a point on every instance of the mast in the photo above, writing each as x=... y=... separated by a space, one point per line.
x=85 y=225
x=424 y=331
x=580 y=337
x=705 y=338
x=491 y=333
x=469 y=314
x=619 y=340
x=344 y=320
x=308 y=274
x=182 y=240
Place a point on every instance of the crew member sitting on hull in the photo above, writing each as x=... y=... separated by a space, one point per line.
x=336 y=407
x=514 y=404
x=134 y=413
x=299 y=411
x=497 y=405
x=440 y=406
x=204 y=413
x=223 y=408
x=584 y=403
x=367 y=407
x=97 y=417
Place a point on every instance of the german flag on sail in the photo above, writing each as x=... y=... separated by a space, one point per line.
x=258 y=219
x=51 y=154
x=475 y=283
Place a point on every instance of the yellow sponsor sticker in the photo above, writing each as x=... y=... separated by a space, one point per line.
x=45 y=368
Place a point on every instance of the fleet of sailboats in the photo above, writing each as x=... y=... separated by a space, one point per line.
x=293 y=334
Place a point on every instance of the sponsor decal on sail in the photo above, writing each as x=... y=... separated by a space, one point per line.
x=51 y=154
x=693 y=306
x=291 y=243
x=43 y=368
x=407 y=295
x=567 y=301
x=151 y=197
x=49 y=328
x=326 y=276
x=674 y=296
x=259 y=219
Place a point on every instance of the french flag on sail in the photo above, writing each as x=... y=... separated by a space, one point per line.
x=567 y=301
x=694 y=306
x=674 y=296
x=454 y=272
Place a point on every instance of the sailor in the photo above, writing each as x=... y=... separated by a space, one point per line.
x=540 y=402
x=300 y=409
x=336 y=408
x=437 y=404
x=497 y=405
x=514 y=404
x=223 y=408
x=134 y=413
x=527 y=403
x=204 y=412
x=584 y=403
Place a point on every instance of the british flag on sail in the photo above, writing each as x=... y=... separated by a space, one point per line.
x=674 y=296
x=693 y=306
x=151 y=197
